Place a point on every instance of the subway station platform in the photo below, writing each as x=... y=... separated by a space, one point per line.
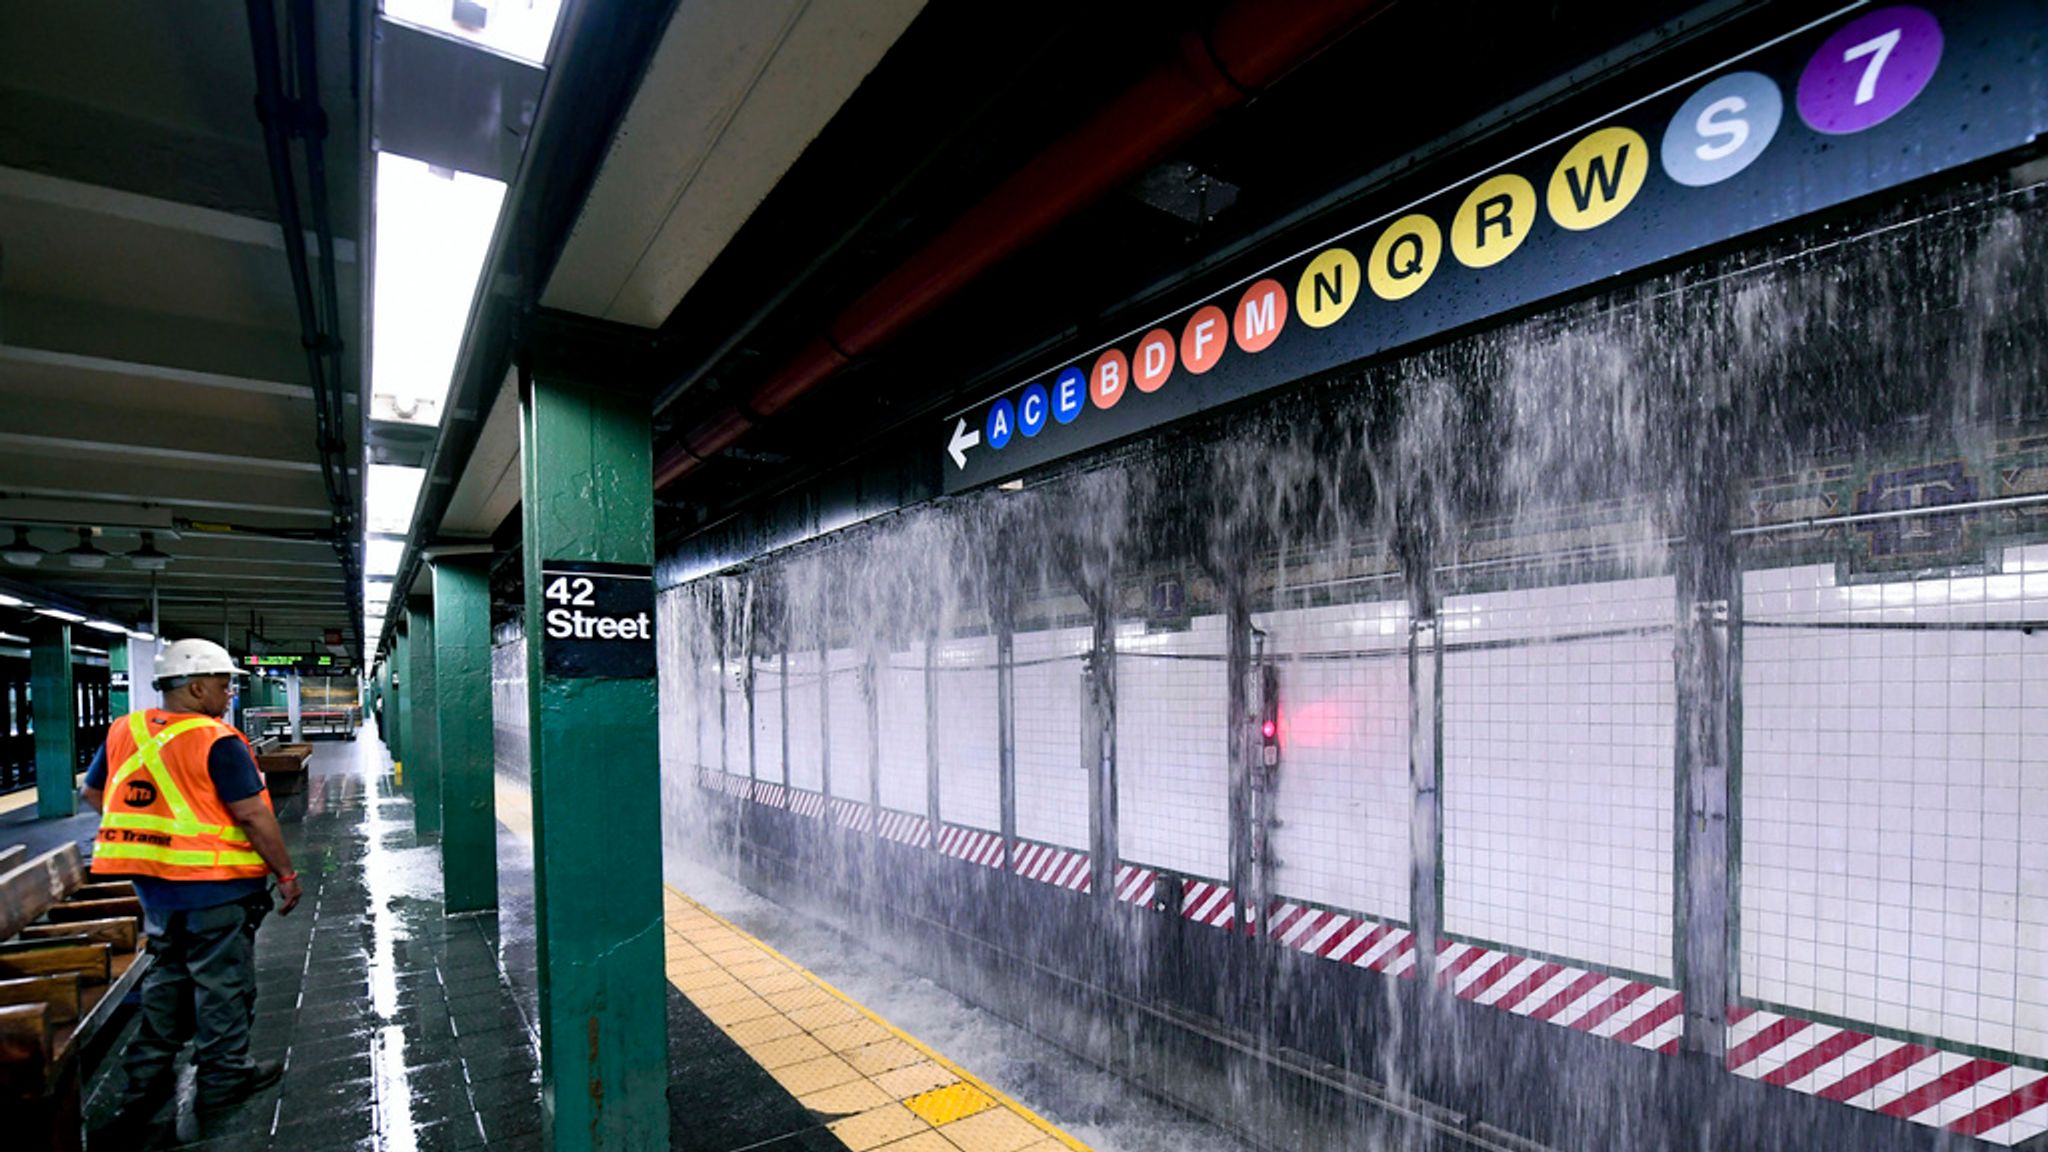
x=1287 y=574
x=404 y=1030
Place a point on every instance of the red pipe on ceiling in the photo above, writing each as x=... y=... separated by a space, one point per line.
x=1251 y=44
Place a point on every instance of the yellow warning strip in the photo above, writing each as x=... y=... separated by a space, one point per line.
x=891 y=1092
x=16 y=801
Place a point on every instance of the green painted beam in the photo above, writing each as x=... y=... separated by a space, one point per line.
x=465 y=752
x=118 y=696
x=53 y=706
x=401 y=686
x=423 y=760
x=587 y=495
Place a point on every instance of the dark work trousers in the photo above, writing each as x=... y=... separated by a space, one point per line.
x=201 y=986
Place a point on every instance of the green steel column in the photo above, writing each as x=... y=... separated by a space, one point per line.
x=462 y=697
x=117 y=679
x=587 y=495
x=54 y=708
x=423 y=760
x=401 y=716
x=382 y=701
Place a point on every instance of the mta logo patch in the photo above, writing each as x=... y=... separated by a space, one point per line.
x=139 y=794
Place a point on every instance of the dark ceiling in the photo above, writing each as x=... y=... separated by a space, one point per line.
x=959 y=105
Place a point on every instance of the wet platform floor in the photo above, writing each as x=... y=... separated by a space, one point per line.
x=401 y=1029
x=406 y=1031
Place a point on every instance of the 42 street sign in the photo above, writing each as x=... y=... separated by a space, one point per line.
x=597 y=620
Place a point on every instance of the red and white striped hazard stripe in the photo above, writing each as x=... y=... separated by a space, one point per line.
x=729 y=784
x=1136 y=885
x=1614 y=1007
x=1055 y=866
x=1206 y=903
x=772 y=795
x=852 y=814
x=811 y=804
x=904 y=828
x=1990 y=1100
x=1352 y=940
x=971 y=845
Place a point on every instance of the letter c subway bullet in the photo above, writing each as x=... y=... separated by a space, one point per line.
x=1032 y=410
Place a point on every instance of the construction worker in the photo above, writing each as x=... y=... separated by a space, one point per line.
x=185 y=816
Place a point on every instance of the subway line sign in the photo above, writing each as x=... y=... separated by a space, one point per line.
x=1869 y=98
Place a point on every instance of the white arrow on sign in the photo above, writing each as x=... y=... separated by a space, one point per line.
x=962 y=441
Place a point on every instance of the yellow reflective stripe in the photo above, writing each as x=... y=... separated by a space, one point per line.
x=146 y=822
x=148 y=750
x=183 y=857
x=179 y=856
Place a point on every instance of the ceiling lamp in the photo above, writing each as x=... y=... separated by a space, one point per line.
x=84 y=555
x=21 y=553
x=147 y=558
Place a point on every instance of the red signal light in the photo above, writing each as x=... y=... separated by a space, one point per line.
x=1269 y=729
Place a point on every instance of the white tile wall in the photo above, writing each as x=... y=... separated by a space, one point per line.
x=806 y=723
x=852 y=759
x=1052 y=763
x=688 y=676
x=710 y=703
x=1895 y=802
x=735 y=596
x=738 y=724
x=1342 y=788
x=1558 y=772
x=900 y=712
x=675 y=675
x=1173 y=790
x=768 y=719
x=509 y=720
x=970 y=743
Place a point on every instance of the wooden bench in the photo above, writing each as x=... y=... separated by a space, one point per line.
x=70 y=952
x=284 y=773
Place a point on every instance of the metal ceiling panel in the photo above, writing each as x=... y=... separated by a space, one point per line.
x=451 y=103
x=737 y=90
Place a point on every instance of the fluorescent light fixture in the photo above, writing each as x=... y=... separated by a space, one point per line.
x=433 y=232
x=21 y=553
x=88 y=651
x=107 y=626
x=85 y=554
x=522 y=29
x=149 y=558
x=381 y=555
x=11 y=638
x=60 y=614
x=145 y=637
x=393 y=492
x=7 y=601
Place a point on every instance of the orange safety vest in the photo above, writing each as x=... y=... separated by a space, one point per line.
x=160 y=815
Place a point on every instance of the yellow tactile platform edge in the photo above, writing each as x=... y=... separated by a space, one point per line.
x=891 y=1092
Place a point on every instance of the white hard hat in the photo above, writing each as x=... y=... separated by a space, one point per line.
x=194 y=658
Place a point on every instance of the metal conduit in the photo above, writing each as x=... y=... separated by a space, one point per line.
x=1250 y=45
x=298 y=114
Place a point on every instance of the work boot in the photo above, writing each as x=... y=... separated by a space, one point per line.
x=126 y=1130
x=261 y=1076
